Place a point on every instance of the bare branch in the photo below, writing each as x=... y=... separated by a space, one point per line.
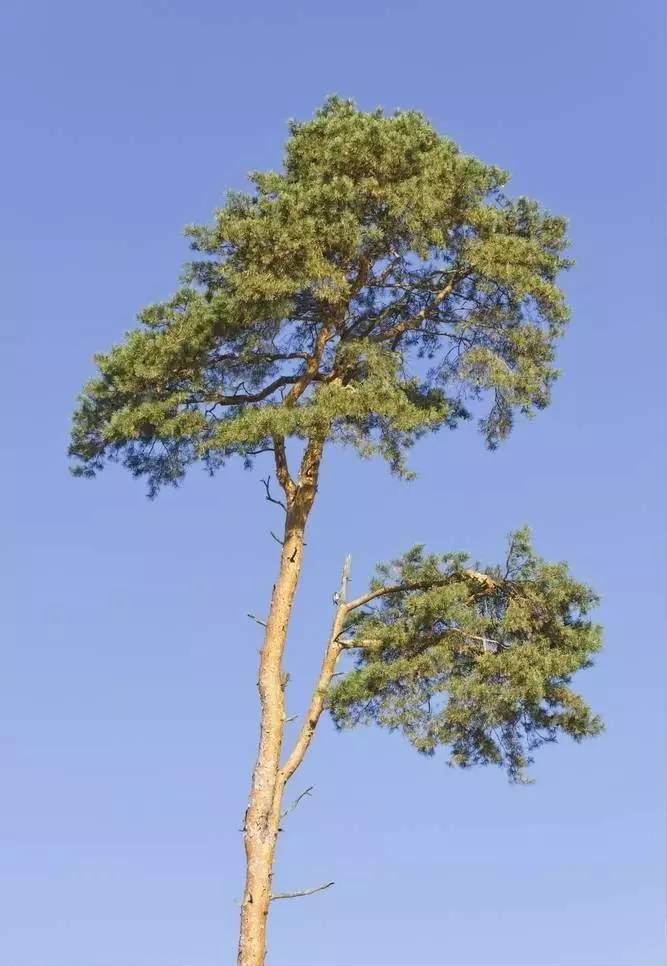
x=395 y=331
x=312 y=365
x=256 y=620
x=234 y=360
x=303 y=892
x=237 y=399
x=258 y=452
x=316 y=706
x=296 y=801
x=271 y=499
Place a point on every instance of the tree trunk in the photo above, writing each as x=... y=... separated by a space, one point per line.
x=263 y=813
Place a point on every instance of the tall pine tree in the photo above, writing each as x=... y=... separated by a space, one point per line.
x=379 y=287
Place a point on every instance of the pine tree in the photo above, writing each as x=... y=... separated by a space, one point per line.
x=381 y=286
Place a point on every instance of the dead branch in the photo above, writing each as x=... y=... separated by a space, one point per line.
x=296 y=801
x=272 y=499
x=303 y=892
x=257 y=620
x=316 y=706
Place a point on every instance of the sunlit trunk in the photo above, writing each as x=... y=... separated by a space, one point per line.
x=263 y=813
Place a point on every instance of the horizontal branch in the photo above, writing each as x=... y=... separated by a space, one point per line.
x=297 y=385
x=258 y=452
x=353 y=644
x=239 y=360
x=303 y=892
x=251 y=397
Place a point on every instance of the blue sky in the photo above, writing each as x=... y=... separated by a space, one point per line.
x=127 y=693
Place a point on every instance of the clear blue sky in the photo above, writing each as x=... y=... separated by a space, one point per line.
x=127 y=682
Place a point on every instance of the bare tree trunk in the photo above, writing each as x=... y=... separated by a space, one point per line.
x=263 y=813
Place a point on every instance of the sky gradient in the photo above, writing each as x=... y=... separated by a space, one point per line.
x=127 y=693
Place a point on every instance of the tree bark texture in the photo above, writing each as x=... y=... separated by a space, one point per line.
x=262 y=817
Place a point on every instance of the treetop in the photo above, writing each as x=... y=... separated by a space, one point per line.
x=380 y=286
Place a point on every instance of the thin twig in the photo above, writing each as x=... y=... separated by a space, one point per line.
x=258 y=452
x=303 y=892
x=272 y=499
x=296 y=801
x=257 y=620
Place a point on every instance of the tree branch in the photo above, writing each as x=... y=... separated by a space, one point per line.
x=303 y=892
x=353 y=644
x=240 y=361
x=237 y=398
x=282 y=468
x=312 y=365
x=395 y=331
x=271 y=499
x=258 y=452
x=331 y=655
x=488 y=582
x=296 y=801
x=256 y=620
